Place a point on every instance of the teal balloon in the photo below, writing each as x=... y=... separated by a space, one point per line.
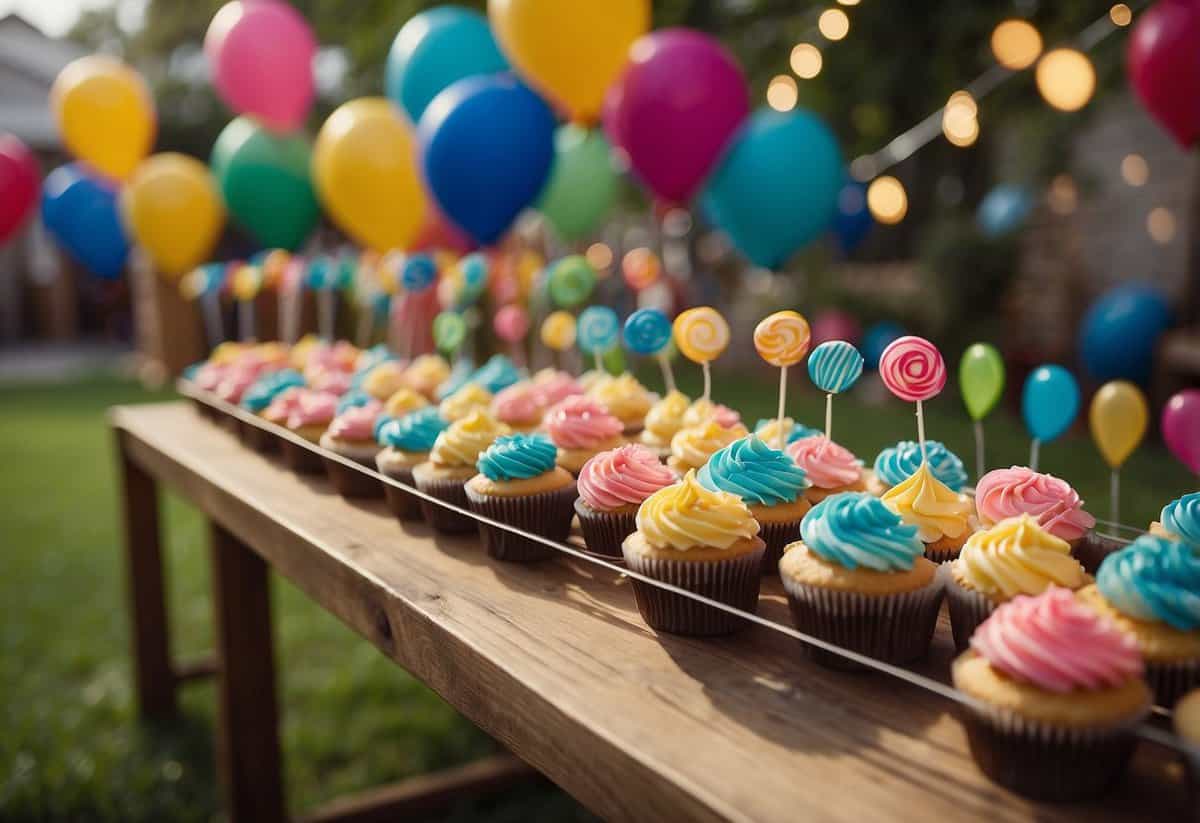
x=583 y=184
x=777 y=188
x=265 y=182
x=1049 y=402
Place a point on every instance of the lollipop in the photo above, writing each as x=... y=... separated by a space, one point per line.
x=834 y=367
x=571 y=281
x=558 y=332
x=449 y=331
x=782 y=340
x=702 y=334
x=472 y=276
x=417 y=273
x=511 y=324
x=596 y=331
x=913 y=369
x=245 y=282
x=204 y=283
x=648 y=332
x=641 y=268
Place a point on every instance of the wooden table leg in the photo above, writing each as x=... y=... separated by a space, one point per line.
x=248 y=759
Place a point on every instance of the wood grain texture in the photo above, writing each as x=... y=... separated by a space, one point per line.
x=554 y=660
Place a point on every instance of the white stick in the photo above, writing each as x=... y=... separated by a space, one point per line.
x=829 y=416
x=597 y=361
x=245 y=314
x=1034 y=448
x=707 y=380
x=979 y=457
x=668 y=375
x=782 y=402
x=210 y=307
x=1114 y=492
x=921 y=429
x=325 y=318
x=366 y=321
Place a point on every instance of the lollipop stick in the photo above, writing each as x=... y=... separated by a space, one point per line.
x=1114 y=494
x=597 y=361
x=707 y=381
x=325 y=314
x=245 y=312
x=1034 y=448
x=210 y=307
x=782 y=403
x=921 y=429
x=668 y=375
x=979 y=458
x=829 y=416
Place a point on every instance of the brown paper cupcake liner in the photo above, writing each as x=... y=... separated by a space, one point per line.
x=968 y=608
x=604 y=532
x=440 y=518
x=1091 y=549
x=300 y=459
x=1171 y=681
x=734 y=581
x=777 y=536
x=894 y=628
x=350 y=482
x=547 y=514
x=941 y=555
x=404 y=505
x=259 y=439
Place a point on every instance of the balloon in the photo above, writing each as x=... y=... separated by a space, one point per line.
x=647 y=331
x=438 y=234
x=511 y=323
x=433 y=50
x=449 y=330
x=641 y=268
x=981 y=379
x=1120 y=331
x=260 y=53
x=80 y=212
x=1164 y=67
x=1049 y=402
x=104 y=113
x=835 y=366
x=597 y=329
x=1181 y=427
x=913 y=369
x=1003 y=210
x=19 y=177
x=835 y=325
x=571 y=281
x=681 y=98
x=876 y=339
x=173 y=211
x=487 y=147
x=571 y=56
x=1118 y=417
x=558 y=331
x=266 y=184
x=701 y=334
x=777 y=188
x=852 y=221
x=782 y=338
x=583 y=184
x=366 y=174
x=418 y=272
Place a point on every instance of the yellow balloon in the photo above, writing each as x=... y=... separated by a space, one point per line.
x=105 y=114
x=1118 y=417
x=365 y=168
x=572 y=55
x=172 y=209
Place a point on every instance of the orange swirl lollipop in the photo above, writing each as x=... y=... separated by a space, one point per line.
x=782 y=339
x=701 y=335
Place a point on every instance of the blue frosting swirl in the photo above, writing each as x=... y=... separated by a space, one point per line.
x=496 y=374
x=1181 y=518
x=855 y=529
x=755 y=472
x=414 y=432
x=798 y=431
x=352 y=400
x=1154 y=579
x=189 y=372
x=895 y=465
x=263 y=390
x=461 y=373
x=517 y=457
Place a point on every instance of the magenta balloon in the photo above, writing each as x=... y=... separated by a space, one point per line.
x=835 y=325
x=1181 y=427
x=20 y=181
x=260 y=54
x=1164 y=66
x=681 y=99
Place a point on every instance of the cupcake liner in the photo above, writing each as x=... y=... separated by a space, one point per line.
x=777 y=536
x=442 y=519
x=259 y=439
x=734 y=581
x=300 y=459
x=1091 y=549
x=404 y=505
x=1172 y=680
x=968 y=608
x=350 y=482
x=894 y=628
x=1191 y=771
x=604 y=532
x=547 y=514
x=941 y=555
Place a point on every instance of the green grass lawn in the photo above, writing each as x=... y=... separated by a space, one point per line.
x=71 y=748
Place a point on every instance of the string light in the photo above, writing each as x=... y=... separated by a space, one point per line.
x=1016 y=44
x=1160 y=223
x=834 y=24
x=599 y=256
x=1135 y=170
x=1062 y=196
x=887 y=200
x=806 y=60
x=782 y=93
x=959 y=119
x=1120 y=15
x=848 y=2
x=1066 y=79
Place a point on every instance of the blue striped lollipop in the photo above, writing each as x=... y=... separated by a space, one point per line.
x=597 y=329
x=647 y=331
x=835 y=366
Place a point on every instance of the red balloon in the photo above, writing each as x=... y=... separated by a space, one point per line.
x=835 y=324
x=18 y=184
x=1181 y=427
x=1164 y=66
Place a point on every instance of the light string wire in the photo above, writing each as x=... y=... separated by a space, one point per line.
x=1144 y=731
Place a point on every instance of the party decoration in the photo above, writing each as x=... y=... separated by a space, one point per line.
x=265 y=182
x=173 y=211
x=571 y=281
x=834 y=366
x=1049 y=404
x=596 y=331
x=1163 y=68
x=852 y=221
x=417 y=272
x=913 y=369
x=18 y=185
x=260 y=53
x=365 y=172
x=648 y=332
x=1121 y=330
x=435 y=49
x=471 y=277
x=641 y=268
x=1003 y=210
x=558 y=331
x=782 y=339
x=981 y=382
x=675 y=109
x=105 y=114
x=834 y=324
x=487 y=145
x=511 y=323
x=572 y=58
x=583 y=184
x=701 y=335
x=1181 y=427
x=877 y=338
x=777 y=188
x=439 y=235
x=1118 y=417
x=449 y=331
x=80 y=212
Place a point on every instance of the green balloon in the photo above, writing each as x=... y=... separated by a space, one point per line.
x=583 y=184
x=981 y=379
x=613 y=361
x=449 y=329
x=571 y=281
x=265 y=182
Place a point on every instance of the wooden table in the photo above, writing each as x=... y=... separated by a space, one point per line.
x=554 y=661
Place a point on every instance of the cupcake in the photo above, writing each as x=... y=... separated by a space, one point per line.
x=406 y=442
x=355 y=398
x=1180 y=520
x=829 y=467
x=384 y=379
x=425 y=373
x=769 y=483
x=612 y=485
x=451 y=464
x=858 y=578
x=556 y=385
x=402 y=402
x=768 y=430
x=496 y=374
x=471 y=397
x=626 y=399
x=351 y=434
x=520 y=407
x=704 y=410
x=1151 y=590
x=258 y=398
x=1187 y=726
x=1014 y=557
x=703 y=541
x=519 y=484
x=331 y=381
x=1056 y=693
x=692 y=446
x=663 y=422
x=282 y=406
x=944 y=518
x=896 y=464
x=309 y=418
x=581 y=428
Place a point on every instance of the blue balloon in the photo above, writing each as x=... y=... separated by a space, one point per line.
x=1049 y=402
x=1121 y=330
x=435 y=49
x=80 y=212
x=487 y=145
x=777 y=188
x=876 y=339
x=1003 y=209
x=852 y=221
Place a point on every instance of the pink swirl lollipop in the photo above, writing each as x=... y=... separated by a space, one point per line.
x=511 y=323
x=913 y=369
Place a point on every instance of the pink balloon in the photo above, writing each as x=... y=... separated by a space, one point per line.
x=260 y=53
x=511 y=323
x=1164 y=66
x=1181 y=427
x=18 y=184
x=835 y=325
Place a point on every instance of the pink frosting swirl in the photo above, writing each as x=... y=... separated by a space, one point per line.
x=1005 y=493
x=356 y=423
x=210 y=375
x=579 y=423
x=622 y=477
x=724 y=416
x=330 y=380
x=284 y=404
x=236 y=381
x=519 y=403
x=556 y=386
x=1056 y=643
x=313 y=408
x=827 y=464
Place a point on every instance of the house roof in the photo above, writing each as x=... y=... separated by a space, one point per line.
x=29 y=62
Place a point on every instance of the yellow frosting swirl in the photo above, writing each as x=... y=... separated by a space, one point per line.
x=665 y=417
x=464 y=401
x=461 y=443
x=427 y=372
x=692 y=446
x=929 y=504
x=686 y=515
x=298 y=356
x=384 y=380
x=226 y=352
x=1017 y=556
x=624 y=397
x=403 y=401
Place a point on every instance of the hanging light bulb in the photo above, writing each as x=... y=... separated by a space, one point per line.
x=806 y=60
x=782 y=93
x=834 y=24
x=959 y=119
x=1016 y=44
x=887 y=200
x=1066 y=79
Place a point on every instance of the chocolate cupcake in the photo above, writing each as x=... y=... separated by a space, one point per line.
x=612 y=485
x=944 y=518
x=450 y=465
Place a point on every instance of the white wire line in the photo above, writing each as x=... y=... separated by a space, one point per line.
x=1144 y=730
